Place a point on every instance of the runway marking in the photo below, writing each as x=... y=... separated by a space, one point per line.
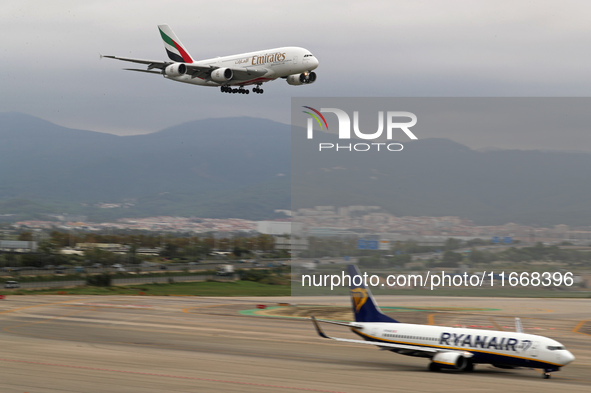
x=580 y=325
x=44 y=320
x=143 y=326
x=256 y=312
x=441 y=308
x=431 y=319
x=186 y=310
x=495 y=324
x=37 y=305
x=171 y=376
x=115 y=305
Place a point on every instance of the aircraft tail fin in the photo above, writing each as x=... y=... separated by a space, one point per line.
x=174 y=48
x=364 y=306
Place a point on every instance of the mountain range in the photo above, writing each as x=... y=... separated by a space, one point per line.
x=208 y=168
x=249 y=167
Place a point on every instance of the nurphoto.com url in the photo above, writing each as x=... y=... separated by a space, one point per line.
x=442 y=279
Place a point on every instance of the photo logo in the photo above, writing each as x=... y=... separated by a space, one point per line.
x=310 y=128
x=345 y=131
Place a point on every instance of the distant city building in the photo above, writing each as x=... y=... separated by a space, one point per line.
x=112 y=247
x=292 y=244
x=331 y=221
x=278 y=228
x=18 y=246
x=329 y=232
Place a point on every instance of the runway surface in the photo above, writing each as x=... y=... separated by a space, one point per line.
x=186 y=344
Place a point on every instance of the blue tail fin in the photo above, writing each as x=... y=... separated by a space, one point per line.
x=364 y=305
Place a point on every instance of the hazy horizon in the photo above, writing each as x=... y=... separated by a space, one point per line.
x=528 y=146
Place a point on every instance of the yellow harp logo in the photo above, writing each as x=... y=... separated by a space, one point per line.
x=359 y=296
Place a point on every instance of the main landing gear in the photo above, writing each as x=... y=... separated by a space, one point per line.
x=241 y=90
x=228 y=89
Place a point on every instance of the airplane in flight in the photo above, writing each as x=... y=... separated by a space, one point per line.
x=447 y=347
x=254 y=68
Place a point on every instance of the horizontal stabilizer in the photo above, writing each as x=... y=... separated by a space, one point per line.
x=348 y=324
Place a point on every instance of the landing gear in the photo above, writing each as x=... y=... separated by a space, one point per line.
x=546 y=375
x=241 y=90
x=228 y=89
x=434 y=367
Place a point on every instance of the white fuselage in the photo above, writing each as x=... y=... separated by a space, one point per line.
x=277 y=63
x=487 y=346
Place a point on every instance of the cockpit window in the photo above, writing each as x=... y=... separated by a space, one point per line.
x=308 y=55
x=555 y=348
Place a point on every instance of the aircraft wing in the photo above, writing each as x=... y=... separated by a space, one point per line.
x=146 y=71
x=196 y=71
x=204 y=72
x=383 y=345
x=201 y=72
x=248 y=73
x=151 y=63
x=239 y=74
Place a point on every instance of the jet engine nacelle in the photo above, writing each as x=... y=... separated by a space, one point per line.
x=176 y=69
x=455 y=360
x=301 y=79
x=222 y=74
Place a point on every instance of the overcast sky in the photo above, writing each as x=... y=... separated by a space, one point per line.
x=51 y=66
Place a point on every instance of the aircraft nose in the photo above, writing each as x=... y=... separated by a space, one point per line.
x=314 y=62
x=567 y=358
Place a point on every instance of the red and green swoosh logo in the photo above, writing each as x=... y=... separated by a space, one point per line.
x=181 y=56
x=314 y=115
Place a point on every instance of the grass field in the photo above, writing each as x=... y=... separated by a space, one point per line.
x=234 y=288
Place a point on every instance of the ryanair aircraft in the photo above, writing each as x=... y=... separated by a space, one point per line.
x=447 y=347
x=255 y=68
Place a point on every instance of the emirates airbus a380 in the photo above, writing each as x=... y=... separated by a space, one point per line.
x=230 y=73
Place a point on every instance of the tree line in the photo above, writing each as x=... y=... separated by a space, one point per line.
x=170 y=246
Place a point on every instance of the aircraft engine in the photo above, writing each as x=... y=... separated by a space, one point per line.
x=222 y=74
x=455 y=360
x=301 y=79
x=176 y=69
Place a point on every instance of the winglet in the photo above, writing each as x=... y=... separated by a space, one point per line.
x=318 y=329
x=518 y=325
